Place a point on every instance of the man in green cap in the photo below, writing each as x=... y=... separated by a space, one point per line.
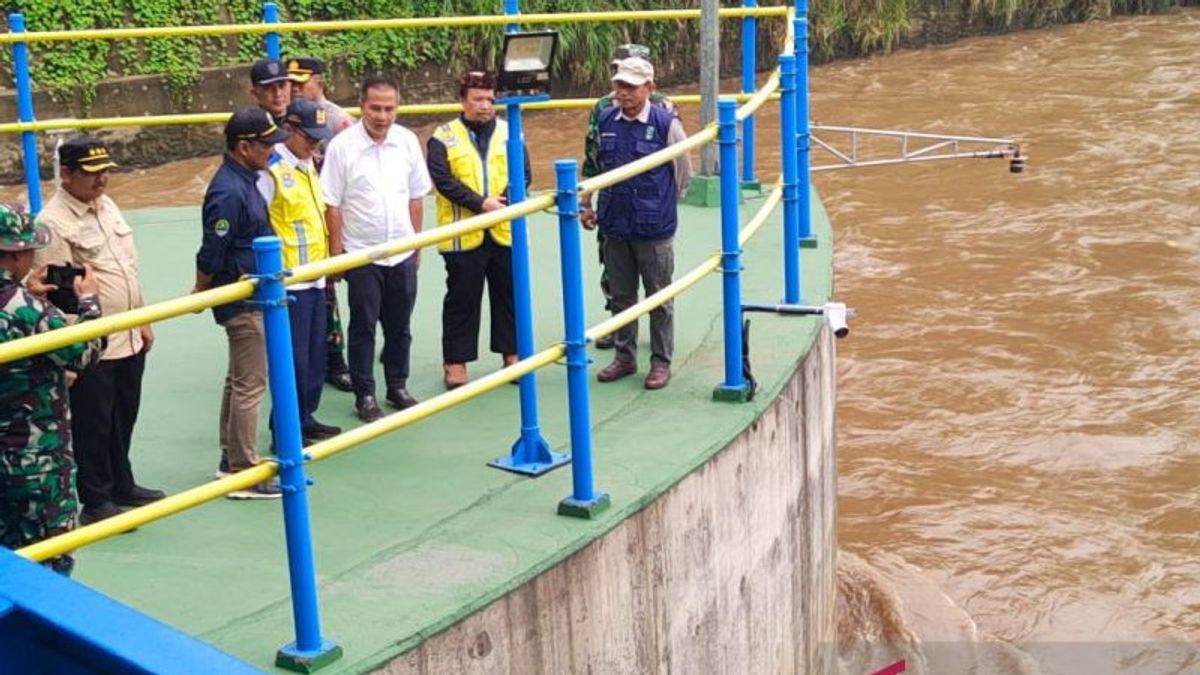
x=591 y=157
x=37 y=470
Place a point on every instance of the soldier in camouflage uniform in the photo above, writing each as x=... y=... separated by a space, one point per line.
x=591 y=160
x=37 y=470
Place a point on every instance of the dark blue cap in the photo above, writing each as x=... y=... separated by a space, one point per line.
x=309 y=118
x=253 y=124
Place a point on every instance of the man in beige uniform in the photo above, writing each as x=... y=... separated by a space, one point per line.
x=87 y=228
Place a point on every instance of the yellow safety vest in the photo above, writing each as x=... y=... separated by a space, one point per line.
x=488 y=179
x=298 y=213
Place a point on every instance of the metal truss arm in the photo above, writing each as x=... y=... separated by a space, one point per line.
x=848 y=151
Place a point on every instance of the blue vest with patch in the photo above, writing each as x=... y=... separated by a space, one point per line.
x=642 y=207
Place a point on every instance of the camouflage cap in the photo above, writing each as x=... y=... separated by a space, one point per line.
x=631 y=50
x=18 y=232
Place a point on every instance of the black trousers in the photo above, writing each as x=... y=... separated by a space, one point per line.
x=104 y=408
x=383 y=295
x=466 y=272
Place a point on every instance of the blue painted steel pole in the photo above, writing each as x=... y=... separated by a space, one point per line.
x=749 y=45
x=583 y=502
x=530 y=454
x=511 y=8
x=29 y=149
x=271 y=15
x=309 y=646
x=734 y=387
x=791 y=207
x=804 y=124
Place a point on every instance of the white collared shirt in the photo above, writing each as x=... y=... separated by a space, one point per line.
x=373 y=183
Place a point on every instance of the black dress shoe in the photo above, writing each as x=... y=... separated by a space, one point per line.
x=340 y=381
x=94 y=514
x=400 y=398
x=367 y=409
x=139 y=496
x=319 y=432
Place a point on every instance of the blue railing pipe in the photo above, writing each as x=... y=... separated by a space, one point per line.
x=749 y=44
x=804 y=125
x=584 y=501
x=788 y=157
x=272 y=39
x=29 y=149
x=734 y=387
x=309 y=648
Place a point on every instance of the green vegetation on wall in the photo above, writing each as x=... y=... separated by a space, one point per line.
x=838 y=27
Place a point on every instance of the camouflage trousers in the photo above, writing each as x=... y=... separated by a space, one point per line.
x=39 y=501
x=335 y=338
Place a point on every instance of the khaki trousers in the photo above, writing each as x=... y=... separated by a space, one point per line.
x=245 y=385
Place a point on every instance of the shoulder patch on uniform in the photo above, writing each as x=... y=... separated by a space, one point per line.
x=221 y=227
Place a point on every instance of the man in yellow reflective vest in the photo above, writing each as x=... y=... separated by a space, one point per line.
x=468 y=162
x=291 y=188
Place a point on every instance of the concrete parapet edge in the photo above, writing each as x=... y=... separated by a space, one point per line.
x=730 y=570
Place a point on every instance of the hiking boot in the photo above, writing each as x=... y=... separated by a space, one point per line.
x=367 y=408
x=455 y=375
x=139 y=496
x=265 y=490
x=607 y=342
x=616 y=370
x=658 y=377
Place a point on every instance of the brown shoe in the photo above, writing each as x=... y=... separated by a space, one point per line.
x=658 y=377
x=456 y=375
x=616 y=370
x=510 y=359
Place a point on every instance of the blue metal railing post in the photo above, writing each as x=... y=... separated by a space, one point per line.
x=804 y=125
x=749 y=45
x=584 y=502
x=29 y=149
x=791 y=206
x=309 y=651
x=734 y=388
x=271 y=39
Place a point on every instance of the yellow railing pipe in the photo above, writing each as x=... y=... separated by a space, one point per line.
x=218 y=118
x=688 y=280
x=110 y=527
x=89 y=330
x=196 y=496
x=430 y=237
x=378 y=24
x=435 y=405
x=323 y=450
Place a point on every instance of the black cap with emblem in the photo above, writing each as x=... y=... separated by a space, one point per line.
x=268 y=71
x=85 y=154
x=252 y=124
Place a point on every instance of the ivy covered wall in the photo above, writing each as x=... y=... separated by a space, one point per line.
x=838 y=27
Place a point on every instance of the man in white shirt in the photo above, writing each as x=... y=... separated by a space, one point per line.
x=373 y=180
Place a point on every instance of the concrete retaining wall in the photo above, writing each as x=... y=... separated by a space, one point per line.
x=730 y=571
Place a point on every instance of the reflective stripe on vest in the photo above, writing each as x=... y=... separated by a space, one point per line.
x=298 y=213
x=488 y=178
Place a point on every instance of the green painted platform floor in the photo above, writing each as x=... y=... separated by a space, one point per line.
x=413 y=532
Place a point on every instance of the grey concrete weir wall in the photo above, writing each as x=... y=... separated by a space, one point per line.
x=730 y=571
